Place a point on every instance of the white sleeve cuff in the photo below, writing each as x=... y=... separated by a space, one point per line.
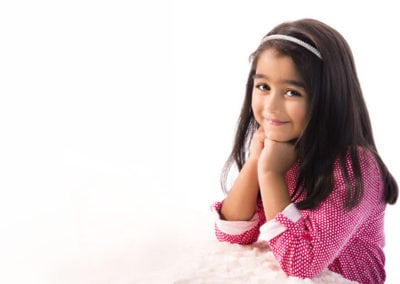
x=234 y=227
x=292 y=213
x=273 y=228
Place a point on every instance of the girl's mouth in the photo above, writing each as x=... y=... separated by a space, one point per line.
x=276 y=122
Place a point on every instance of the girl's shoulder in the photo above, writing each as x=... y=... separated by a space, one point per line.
x=368 y=158
x=360 y=164
x=359 y=155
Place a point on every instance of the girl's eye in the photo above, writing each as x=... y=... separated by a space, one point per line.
x=263 y=87
x=292 y=93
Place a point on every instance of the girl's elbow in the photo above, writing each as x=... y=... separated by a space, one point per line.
x=306 y=273
x=243 y=239
x=302 y=269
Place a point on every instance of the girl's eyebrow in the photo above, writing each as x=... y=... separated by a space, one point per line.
x=288 y=81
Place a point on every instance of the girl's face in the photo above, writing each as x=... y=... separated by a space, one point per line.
x=279 y=99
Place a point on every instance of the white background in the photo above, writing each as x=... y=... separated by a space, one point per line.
x=116 y=117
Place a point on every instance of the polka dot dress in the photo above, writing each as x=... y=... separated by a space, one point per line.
x=348 y=242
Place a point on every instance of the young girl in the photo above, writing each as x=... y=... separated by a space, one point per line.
x=310 y=178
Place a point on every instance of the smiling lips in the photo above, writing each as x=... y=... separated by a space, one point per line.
x=275 y=122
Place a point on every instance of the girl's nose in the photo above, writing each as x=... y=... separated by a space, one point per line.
x=272 y=102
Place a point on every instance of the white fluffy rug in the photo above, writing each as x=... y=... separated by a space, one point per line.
x=100 y=246
x=215 y=262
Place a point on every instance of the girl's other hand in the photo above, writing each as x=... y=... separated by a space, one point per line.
x=257 y=143
x=276 y=157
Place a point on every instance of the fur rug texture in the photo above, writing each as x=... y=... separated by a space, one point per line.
x=215 y=262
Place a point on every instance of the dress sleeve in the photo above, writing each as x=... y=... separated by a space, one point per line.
x=306 y=241
x=238 y=232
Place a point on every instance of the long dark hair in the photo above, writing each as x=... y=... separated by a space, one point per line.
x=338 y=123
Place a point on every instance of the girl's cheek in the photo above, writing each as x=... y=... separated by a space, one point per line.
x=256 y=110
x=257 y=118
x=256 y=115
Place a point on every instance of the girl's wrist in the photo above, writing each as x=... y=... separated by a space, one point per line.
x=252 y=159
x=253 y=162
x=270 y=175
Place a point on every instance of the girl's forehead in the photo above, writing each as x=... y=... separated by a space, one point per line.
x=273 y=63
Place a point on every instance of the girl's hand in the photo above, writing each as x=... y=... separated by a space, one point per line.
x=276 y=157
x=257 y=143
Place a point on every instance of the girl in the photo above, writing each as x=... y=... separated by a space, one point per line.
x=310 y=178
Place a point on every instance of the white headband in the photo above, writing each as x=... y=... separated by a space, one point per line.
x=295 y=40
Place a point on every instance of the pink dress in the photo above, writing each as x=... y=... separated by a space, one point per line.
x=348 y=242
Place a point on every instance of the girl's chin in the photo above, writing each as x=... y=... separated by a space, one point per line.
x=282 y=139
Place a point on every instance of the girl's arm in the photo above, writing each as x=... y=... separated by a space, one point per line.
x=241 y=202
x=240 y=215
x=239 y=232
x=275 y=160
x=306 y=242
